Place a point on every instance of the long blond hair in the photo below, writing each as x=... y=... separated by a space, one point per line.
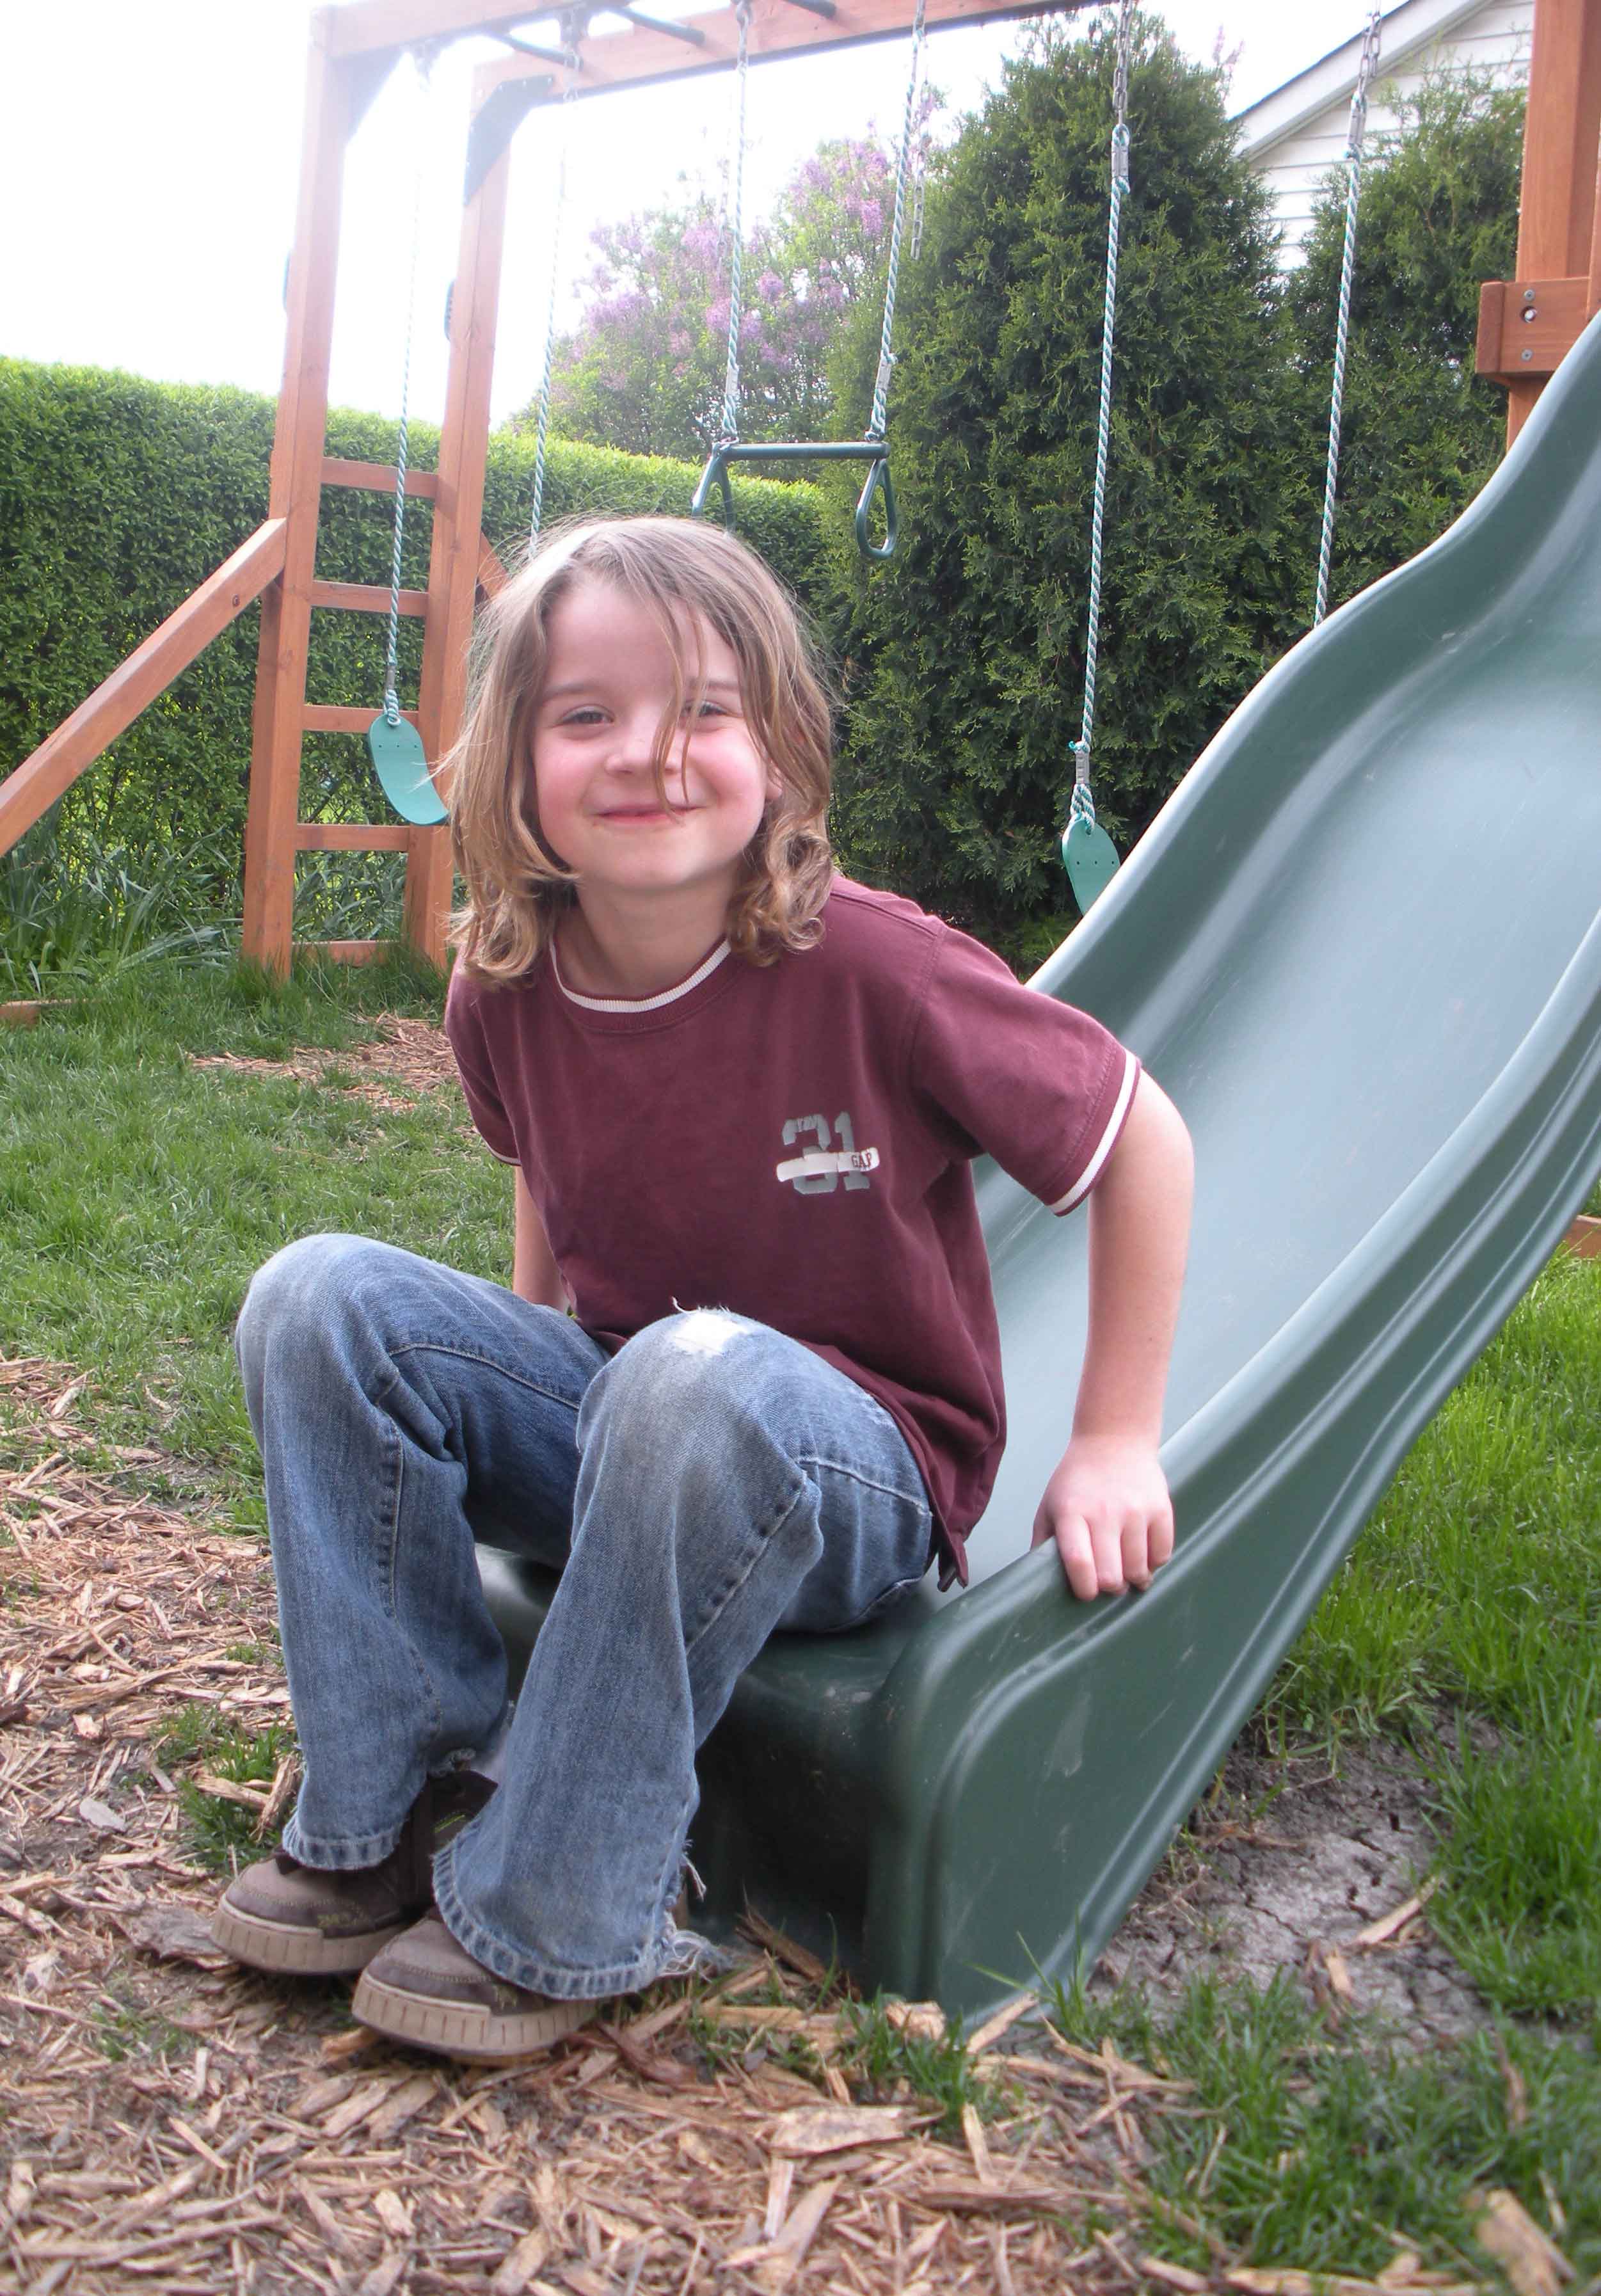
x=679 y=570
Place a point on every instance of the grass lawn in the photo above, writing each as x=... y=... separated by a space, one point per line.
x=138 y=1191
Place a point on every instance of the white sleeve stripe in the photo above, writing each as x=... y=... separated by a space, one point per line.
x=1092 y=1170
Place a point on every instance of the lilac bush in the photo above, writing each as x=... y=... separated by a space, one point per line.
x=644 y=370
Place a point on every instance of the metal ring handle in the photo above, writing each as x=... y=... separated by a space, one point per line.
x=878 y=482
x=716 y=470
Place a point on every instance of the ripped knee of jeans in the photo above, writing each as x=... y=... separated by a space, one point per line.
x=706 y=1330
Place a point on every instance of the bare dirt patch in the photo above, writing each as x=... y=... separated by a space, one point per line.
x=406 y=1060
x=1291 y=1867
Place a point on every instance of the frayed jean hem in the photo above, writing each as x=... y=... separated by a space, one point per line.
x=676 y=1953
x=347 y=1854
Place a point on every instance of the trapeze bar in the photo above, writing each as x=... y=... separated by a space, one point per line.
x=878 y=486
x=816 y=7
x=656 y=24
x=806 y=450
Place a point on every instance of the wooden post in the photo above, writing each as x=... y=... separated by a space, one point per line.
x=296 y=496
x=456 y=548
x=1557 y=209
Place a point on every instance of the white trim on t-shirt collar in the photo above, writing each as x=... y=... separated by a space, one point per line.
x=639 y=1004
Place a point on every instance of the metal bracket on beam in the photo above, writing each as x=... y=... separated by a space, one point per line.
x=365 y=76
x=816 y=7
x=500 y=117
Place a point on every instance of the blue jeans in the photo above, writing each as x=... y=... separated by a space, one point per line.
x=710 y=1482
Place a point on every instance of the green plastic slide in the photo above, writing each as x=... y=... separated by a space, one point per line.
x=1361 y=949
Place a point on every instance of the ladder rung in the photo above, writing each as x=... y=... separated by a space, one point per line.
x=319 y=717
x=377 y=478
x=365 y=598
x=352 y=837
x=345 y=952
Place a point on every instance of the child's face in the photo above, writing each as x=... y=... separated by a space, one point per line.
x=608 y=683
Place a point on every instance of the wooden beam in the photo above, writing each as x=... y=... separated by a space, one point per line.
x=1557 y=209
x=625 y=58
x=1527 y=326
x=34 y=785
x=353 y=837
x=1584 y=1237
x=367 y=598
x=296 y=497
x=22 y=1013
x=456 y=551
x=378 y=478
x=345 y=952
x=320 y=717
x=370 y=26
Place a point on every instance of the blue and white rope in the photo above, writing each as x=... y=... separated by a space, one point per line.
x=424 y=60
x=1082 y=807
x=542 y=421
x=1353 y=185
x=879 y=422
x=736 y=251
x=571 y=32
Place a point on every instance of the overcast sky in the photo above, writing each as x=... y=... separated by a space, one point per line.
x=148 y=158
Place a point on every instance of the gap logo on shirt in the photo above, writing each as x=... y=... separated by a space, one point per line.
x=819 y=1170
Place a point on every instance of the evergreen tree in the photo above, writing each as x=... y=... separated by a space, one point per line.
x=965 y=654
x=1438 y=215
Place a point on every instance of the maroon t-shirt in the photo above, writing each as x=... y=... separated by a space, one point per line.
x=792 y=1142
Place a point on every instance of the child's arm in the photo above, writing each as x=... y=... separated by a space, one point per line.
x=1107 y=1505
x=535 y=1274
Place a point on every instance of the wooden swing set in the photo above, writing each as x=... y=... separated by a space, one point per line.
x=1526 y=326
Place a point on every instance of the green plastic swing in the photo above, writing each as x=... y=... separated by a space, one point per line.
x=394 y=745
x=1087 y=854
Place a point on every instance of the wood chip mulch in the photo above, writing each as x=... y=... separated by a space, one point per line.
x=176 y=2125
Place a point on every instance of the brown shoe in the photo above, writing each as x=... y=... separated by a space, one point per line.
x=426 y=1989
x=284 y=1916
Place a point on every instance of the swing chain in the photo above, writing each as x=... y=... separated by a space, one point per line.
x=1120 y=72
x=879 y=422
x=422 y=59
x=1367 y=67
x=573 y=23
x=736 y=248
x=1083 y=804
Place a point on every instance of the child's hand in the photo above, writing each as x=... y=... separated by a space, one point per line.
x=1108 y=1510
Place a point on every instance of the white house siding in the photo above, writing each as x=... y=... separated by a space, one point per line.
x=1295 y=161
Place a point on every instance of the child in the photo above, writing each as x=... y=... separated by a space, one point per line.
x=748 y=1375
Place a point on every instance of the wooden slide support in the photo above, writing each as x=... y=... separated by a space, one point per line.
x=34 y=785
x=1528 y=324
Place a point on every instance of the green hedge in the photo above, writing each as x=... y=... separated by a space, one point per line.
x=118 y=496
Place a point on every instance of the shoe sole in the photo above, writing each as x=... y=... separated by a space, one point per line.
x=465 y=2031
x=284 y=1949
